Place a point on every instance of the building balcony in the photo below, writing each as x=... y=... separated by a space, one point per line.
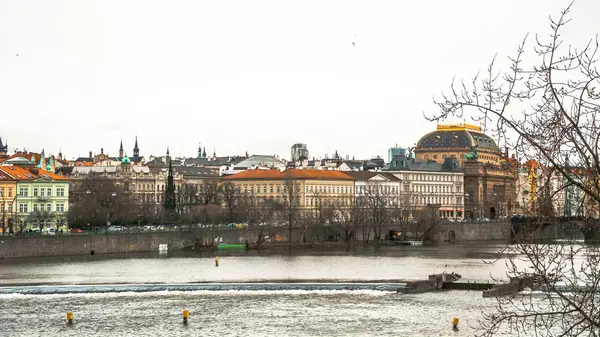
x=43 y=197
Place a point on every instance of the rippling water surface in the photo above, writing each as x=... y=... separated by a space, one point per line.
x=247 y=313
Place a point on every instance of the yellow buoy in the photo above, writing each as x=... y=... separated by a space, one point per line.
x=216 y=261
x=70 y=317
x=186 y=314
x=455 y=323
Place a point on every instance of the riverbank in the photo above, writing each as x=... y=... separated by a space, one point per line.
x=39 y=246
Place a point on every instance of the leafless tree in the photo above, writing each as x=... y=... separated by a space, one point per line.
x=290 y=201
x=231 y=195
x=97 y=200
x=347 y=218
x=318 y=218
x=548 y=112
x=208 y=194
x=40 y=217
x=380 y=206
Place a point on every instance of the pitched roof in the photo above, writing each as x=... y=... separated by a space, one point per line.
x=21 y=173
x=290 y=174
x=368 y=175
x=196 y=172
x=4 y=176
x=18 y=173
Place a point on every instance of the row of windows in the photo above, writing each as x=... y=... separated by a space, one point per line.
x=264 y=188
x=6 y=192
x=38 y=191
x=435 y=188
x=377 y=189
x=438 y=200
x=24 y=208
x=328 y=189
x=432 y=177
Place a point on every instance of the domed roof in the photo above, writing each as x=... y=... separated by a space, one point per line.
x=125 y=160
x=457 y=136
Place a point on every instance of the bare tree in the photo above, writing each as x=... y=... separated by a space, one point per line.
x=379 y=206
x=318 y=218
x=97 y=200
x=291 y=204
x=208 y=194
x=558 y=127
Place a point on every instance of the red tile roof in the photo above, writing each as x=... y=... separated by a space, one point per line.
x=28 y=173
x=290 y=174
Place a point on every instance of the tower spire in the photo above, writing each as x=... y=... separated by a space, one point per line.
x=121 y=150
x=136 y=149
x=199 y=151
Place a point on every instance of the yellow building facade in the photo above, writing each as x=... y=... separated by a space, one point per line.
x=8 y=187
x=312 y=187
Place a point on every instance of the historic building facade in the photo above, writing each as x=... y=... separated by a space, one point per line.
x=41 y=199
x=312 y=187
x=428 y=183
x=457 y=141
x=8 y=186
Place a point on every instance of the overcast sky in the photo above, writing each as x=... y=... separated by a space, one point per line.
x=256 y=76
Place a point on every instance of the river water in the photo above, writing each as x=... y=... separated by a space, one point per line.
x=247 y=312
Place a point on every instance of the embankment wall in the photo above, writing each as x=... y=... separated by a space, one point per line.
x=12 y=247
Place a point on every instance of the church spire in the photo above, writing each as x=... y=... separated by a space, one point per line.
x=121 y=150
x=204 y=152
x=199 y=151
x=136 y=149
x=214 y=153
x=170 y=203
x=168 y=154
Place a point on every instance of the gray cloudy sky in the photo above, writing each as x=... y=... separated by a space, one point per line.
x=252 y=76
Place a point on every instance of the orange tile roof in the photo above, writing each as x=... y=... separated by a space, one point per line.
x=290 y=173
x=51 y=175
x=18 y=173
x=83 y=163
x=5 y=176
x=28 y=173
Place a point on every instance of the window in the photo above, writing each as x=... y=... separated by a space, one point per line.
x=23 y=208
x=9 y=208
x=35 y=194
x=23 y=192
x=278 y=188
x=42 y=192
x=10 y=192
x=49 y=207
x=270 y=188
x=265 y=189
x=35 y=207
x=60 y=192
x=435 y=156
x=49 y=191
